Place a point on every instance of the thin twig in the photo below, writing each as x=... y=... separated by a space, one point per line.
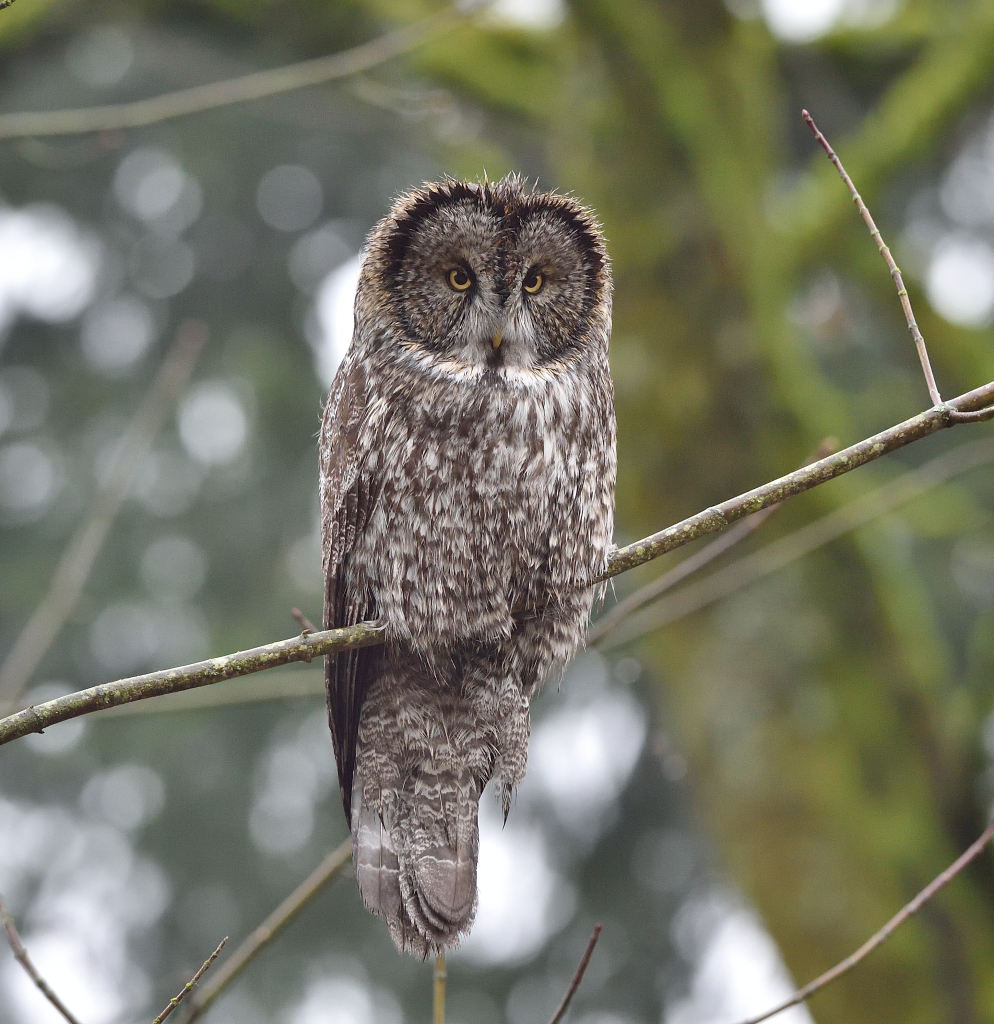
x=188 y=987
x=77 y=560
x=578 y=977
x=793 y=546
x=270 y=928
x=305 y=623
x=259 y=84
x=367 y=634
x=895 y=273
x=21 y=955
x=885 y=933
x=697 y=561
x=438 y=995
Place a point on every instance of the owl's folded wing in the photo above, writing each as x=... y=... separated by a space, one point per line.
x=347 y=496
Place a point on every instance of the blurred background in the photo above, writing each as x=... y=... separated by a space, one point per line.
x=741 y=782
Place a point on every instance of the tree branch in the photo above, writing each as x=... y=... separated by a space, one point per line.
x=77 y=560
x=789 y=548
x=438 y=990
x=578 y=977
x=931 y=421
x=895 y=273
x=188 y=987
x=697 y=561
x=21 y=955
x=327 y=870
x=305 y=623
x=253 y=86
x=885 y=933
x=366 y=634
x=187 y=677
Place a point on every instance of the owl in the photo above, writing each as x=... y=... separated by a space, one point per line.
x=467 y=471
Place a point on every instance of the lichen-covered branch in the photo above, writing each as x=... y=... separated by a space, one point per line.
x=76 y=563
x=635 y=621
x=967 y=408
x=187 y=677
x=971 y=407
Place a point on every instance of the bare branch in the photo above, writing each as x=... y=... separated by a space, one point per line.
x=305 y=623
x=327 y=870
x=77 y=560
x=578 y=977
x=657 y=587
x=21 y=955
x=438 y=995
x=292 y=684
x=188 y=987
x=885 y=933
x=801 y=542
x=253 y=86
x=187 y=677
x=719 y=516
x=368 y=634
x=697 y=561
x=299 y=683
x=895 y=273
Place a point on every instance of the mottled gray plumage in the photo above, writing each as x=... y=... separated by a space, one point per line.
x=467 y=494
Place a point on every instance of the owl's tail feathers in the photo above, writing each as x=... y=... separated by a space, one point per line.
x=416 y=864
x=374 y=859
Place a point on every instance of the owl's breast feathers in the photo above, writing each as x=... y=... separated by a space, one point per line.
x=487 y=501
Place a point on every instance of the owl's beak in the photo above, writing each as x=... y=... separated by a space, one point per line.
x=497 y=338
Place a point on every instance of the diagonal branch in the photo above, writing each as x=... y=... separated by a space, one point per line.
x=888 y=929
x=365 y=634
x=895 y=273
x=733 y=577
x=253 y=86
x=324 y=873
x=697 y=561
x=784 y=550
x=187 y=677
x=717 y=517
x=77 y=560
x=189 y=986
x=21 y=955
x=578 y=977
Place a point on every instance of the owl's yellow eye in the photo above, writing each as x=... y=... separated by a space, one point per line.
x=459 y=279
x=533 y=282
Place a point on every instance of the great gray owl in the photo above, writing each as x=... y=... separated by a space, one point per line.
x=467 y=497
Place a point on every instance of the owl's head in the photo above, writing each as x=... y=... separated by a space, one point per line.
x=477 y=276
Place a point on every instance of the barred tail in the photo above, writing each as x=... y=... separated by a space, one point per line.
x=415 y=862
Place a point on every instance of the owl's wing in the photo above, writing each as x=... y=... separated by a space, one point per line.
x=347 y=497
